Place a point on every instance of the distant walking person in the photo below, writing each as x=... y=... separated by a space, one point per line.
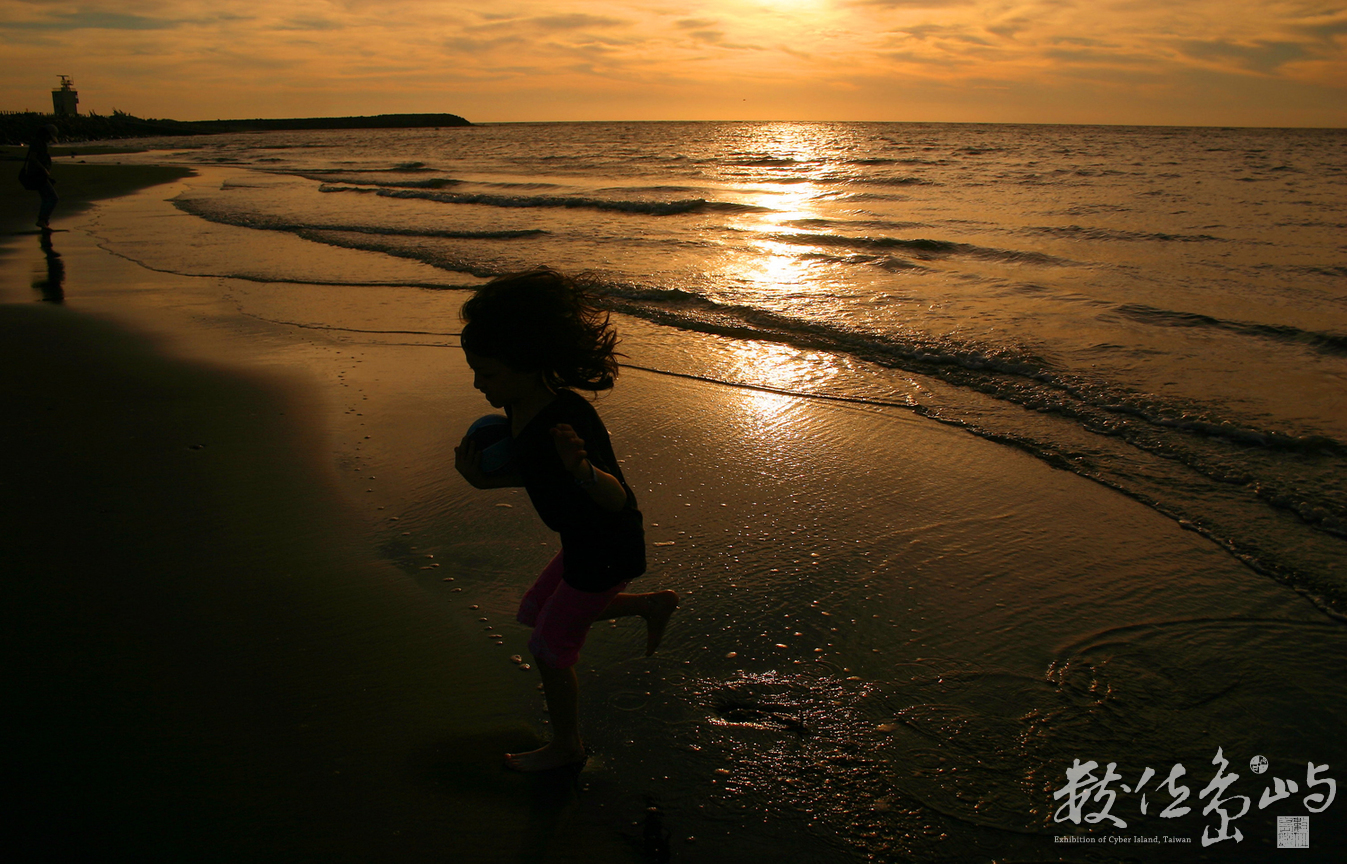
x=36 y=173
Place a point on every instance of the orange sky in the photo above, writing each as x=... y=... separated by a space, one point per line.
x=1188 y=62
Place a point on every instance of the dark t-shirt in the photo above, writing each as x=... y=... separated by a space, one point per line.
x=601 y=548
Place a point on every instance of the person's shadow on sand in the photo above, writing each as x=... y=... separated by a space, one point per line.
x=458 y=767
x=50 y=284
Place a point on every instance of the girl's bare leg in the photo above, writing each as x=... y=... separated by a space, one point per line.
x=563 y=706
x=562 y=690
x=656 y=608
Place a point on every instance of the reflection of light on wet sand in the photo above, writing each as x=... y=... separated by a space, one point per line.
x=767 y=406
x=769 y=365
x=769 y=422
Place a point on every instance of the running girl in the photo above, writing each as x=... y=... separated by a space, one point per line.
x=532 y=339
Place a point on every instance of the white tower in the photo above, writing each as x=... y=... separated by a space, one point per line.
x=65 y=98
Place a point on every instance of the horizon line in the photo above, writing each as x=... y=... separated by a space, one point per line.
x=708 y=120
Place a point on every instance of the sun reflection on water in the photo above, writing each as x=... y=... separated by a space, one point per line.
x=785 y=164
x=788 y=179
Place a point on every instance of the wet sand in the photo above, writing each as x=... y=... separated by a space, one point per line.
x=233 y=642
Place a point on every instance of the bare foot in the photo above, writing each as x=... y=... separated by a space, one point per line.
x=662 y=606
x=545 y=758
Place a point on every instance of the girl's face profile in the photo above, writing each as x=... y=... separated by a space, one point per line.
x=500 y=384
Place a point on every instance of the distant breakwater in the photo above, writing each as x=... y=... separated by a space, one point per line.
x=19 y=127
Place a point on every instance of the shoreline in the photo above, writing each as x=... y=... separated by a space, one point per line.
x=368 y=705
x=79 y=185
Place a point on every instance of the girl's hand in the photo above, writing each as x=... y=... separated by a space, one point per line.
x=605 y=489
x=468 y=462
x=570 y=446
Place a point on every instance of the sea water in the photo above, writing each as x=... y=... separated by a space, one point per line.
x=1163 y=310
x=863 y=664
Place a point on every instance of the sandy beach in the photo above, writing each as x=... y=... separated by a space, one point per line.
x=253 y=609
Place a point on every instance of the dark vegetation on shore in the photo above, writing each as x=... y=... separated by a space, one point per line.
x=17 y=127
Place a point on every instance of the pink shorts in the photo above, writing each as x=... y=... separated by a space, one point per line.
x=560 y=615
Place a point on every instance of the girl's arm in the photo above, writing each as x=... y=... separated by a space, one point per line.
x=468 y=462
x=603 y=488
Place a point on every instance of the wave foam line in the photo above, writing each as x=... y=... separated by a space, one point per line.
x=1077 y=232
x=428 y=183
x=881 y=181
x=264 y=223
x=891 y=263
x=855 y=224
x=445 y=233
x=400 y=168
x=921 y=247
x=653 y=208
x=1325 y=343
x=312 y=326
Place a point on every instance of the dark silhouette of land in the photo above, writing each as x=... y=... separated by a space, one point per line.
x=18 y=127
